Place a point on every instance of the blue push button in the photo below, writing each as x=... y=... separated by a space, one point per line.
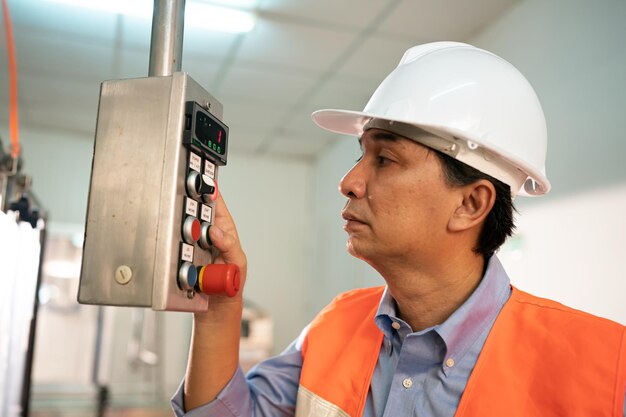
x=187 y=276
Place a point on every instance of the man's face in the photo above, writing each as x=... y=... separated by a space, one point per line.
x=398 y=201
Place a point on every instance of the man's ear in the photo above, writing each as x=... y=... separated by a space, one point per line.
x=477 y=201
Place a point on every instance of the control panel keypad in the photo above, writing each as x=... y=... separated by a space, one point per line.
x=205 y=142
x=201 y=192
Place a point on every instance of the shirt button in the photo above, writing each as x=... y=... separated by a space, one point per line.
x=450 y=363
x=407 y=383
x=395 y=325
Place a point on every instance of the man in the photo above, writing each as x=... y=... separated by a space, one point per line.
x=449 y=138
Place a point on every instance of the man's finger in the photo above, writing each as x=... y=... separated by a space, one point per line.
x=223 y=217
x=228 y=245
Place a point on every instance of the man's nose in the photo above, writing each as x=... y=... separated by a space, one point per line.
x=352 y=185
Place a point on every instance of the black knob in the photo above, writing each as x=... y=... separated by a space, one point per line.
x=206 y=186
x=200 y=186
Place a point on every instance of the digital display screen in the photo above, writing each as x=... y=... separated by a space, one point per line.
x=210 y=133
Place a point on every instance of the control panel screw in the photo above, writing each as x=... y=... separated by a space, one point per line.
x=191 y=294
x=123 y=274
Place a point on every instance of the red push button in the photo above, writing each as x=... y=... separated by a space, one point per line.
x=191 y=230
x=219 y=279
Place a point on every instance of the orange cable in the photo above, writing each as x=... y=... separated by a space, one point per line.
x=13 y=119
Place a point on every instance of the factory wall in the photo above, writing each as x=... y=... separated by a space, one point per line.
x=271 y=201
x=569 y=246
x=573 y=53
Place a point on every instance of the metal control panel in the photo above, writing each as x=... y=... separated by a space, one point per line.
x=159 y=144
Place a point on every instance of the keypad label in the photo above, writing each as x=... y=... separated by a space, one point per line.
x=191 y=207
x=209 y=169
x=187 y=253
x=195 y=162
x=207 y=211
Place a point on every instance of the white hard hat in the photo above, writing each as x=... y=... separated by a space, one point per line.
x=480 y=109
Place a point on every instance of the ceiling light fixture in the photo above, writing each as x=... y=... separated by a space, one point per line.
x=197 y=14
x=218 y=18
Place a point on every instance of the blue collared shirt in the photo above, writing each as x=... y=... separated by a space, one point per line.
x=417 y=374
x=424 y=373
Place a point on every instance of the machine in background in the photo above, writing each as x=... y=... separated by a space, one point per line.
x=22 y=236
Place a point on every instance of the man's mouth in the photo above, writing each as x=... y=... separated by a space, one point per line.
x=352 y=221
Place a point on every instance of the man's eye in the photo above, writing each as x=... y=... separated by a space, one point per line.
x=381 y=160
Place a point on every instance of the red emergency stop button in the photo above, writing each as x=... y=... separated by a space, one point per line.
x=219 y=279
x=191 y=230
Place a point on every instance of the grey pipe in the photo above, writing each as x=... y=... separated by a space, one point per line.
x=166 y=46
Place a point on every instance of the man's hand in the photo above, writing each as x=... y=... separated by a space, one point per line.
x=224 y=237
x=214 y=352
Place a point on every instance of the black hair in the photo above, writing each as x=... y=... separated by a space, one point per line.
x=499 y=223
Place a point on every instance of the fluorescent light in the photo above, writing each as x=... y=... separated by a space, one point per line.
x=218 y=18
x=136 y=8
x=237 y=4
x=197 y=14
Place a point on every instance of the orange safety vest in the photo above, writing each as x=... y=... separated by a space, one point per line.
x=540 y=359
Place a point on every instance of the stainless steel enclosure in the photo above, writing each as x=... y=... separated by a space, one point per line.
x=138 y=200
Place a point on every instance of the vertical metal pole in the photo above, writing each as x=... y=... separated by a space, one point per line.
x=166 y=47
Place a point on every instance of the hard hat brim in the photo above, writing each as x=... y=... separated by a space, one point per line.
x=349 y=122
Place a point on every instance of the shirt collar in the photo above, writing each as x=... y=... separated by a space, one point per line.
x=387 y=314
x=467 y=323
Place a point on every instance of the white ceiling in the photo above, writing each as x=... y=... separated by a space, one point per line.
x=302 y=55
